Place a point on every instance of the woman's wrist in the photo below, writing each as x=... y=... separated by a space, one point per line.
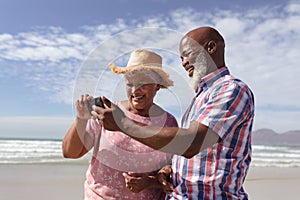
x=79 y=120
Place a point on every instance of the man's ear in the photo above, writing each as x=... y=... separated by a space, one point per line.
x=211 y=47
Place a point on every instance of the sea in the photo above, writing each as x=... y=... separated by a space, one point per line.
x=39 y=151
x=35 y=151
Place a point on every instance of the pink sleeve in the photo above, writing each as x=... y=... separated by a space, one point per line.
x=93 y=128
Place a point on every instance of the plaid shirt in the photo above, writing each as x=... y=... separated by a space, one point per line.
x=225 y=105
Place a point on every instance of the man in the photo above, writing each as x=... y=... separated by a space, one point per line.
x=213 y=147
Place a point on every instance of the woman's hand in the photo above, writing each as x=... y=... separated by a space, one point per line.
x=136 y=182
x=82 y=110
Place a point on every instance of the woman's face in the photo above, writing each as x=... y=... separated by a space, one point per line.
x=140 y=91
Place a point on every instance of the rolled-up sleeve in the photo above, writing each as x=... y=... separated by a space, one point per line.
x=226 y=108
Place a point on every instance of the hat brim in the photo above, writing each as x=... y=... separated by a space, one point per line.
x=164 y=76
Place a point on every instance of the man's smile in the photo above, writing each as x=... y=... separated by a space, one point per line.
x=190 y=70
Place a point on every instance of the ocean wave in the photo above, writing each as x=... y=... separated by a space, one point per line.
x=18 y=151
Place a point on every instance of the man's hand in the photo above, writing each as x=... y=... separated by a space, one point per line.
x=165 y=178
x=110 y=117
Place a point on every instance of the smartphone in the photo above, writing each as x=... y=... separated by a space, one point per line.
x=95 y=101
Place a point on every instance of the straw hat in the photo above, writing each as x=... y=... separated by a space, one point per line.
x=147 y=62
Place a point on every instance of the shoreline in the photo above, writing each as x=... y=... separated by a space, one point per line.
x=65 y=181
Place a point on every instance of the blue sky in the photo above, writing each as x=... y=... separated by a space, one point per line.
x=51 y=51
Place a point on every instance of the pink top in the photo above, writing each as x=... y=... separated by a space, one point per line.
x=115 y=153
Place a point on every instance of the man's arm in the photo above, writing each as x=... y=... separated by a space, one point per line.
x=187 y=142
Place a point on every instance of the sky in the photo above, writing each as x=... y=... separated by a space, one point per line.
x=53 y=51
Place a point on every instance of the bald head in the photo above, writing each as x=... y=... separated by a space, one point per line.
x=212 y=41
x=203 y=34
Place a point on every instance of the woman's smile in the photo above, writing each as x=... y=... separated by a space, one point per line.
x=137 y=98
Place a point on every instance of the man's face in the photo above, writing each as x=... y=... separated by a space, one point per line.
x=195 y=60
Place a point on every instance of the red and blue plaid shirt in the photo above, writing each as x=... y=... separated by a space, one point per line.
x=225 y=105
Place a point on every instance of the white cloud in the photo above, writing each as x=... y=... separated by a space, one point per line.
x=293 y=7
x=50 y=46
x=261 y=49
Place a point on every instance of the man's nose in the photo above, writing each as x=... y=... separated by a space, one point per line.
x=185 y=62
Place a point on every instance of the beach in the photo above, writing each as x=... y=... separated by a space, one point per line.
x=65 y=181
x=273 y=183
x=42 y=181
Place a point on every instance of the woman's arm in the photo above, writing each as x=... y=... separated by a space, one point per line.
x=77 y=142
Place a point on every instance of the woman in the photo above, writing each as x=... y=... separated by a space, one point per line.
x=114 y=153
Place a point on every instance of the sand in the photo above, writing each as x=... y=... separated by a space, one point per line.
x=271 y=183
x=42 y=182
x=65 y=181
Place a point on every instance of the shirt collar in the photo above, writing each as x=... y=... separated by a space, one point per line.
x=212 y=77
